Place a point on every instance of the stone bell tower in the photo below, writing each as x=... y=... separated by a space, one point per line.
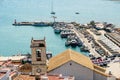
x=38 y=50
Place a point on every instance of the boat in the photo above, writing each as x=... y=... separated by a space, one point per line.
x=77 y=13
x=67 y=43
x=57 y=30
x=64 y=34
x=84 y=48
x=40 y=24
x=73 y=43
x=72 y=40
x=53 y=12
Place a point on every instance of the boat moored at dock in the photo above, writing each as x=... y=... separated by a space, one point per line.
x=73 y=40
x=84 y=48
x=57 y=30
x=65 y=33
x=41 y=24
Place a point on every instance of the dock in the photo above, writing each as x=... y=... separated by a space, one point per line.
x=86 y=43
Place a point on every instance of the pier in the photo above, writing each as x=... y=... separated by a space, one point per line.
x=85 y=42
x=32 y=23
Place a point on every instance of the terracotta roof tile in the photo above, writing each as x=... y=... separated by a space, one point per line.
x=69 y=55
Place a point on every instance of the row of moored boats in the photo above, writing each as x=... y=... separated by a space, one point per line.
x=71 y=38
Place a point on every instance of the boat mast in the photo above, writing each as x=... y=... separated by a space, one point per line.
x=52 y=12
x=52 y=6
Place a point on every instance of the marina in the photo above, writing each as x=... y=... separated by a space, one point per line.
x=95 y=39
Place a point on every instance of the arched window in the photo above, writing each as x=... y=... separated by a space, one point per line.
x=38 y=54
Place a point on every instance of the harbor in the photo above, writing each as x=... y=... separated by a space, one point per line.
x=95 y=41
x=70 y=26
x=102 y=45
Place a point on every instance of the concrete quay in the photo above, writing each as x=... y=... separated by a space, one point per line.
x=85 y=41
x=97 y=38
x=107 y=44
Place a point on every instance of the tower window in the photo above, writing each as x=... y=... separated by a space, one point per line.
x=41 y=45
x=38 y=55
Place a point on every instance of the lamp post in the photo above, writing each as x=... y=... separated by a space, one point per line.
x=54 y=17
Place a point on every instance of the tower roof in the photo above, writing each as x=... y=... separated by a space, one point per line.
x=69 y=55
x=37 y=43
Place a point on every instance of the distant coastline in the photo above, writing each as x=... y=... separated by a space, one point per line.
x=114 y=0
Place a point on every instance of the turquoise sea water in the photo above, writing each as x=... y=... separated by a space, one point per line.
x=15 y=40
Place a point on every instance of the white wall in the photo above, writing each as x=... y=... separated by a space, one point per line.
x=6 y=76
x=101 y=77
x=78 y=71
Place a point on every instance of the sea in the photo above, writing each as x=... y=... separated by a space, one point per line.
x=16 y=39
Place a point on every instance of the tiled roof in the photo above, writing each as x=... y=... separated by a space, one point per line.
x=100 y=70
x=24 y=77
x=69 y=55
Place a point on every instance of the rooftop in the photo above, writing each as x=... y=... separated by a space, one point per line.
x=2 y=74
x=37 y=43
x=44 y=77
x=69 y=55
x=13 y=58
x=109 y=43
x=66 y=56
x=24 y=77
x=58 y=77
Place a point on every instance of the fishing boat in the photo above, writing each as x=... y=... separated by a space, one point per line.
x=72 y=40
x=65 y=33
x=84 y=48
x=57 y=30
x=40 y=24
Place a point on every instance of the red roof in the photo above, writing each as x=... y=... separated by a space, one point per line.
x=55 y=78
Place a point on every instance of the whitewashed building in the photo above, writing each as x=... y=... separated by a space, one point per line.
x=4 y=74
x=75 y=64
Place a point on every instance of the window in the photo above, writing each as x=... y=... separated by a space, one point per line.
x=41 y=45
x=70 y=64
x=38 y=55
